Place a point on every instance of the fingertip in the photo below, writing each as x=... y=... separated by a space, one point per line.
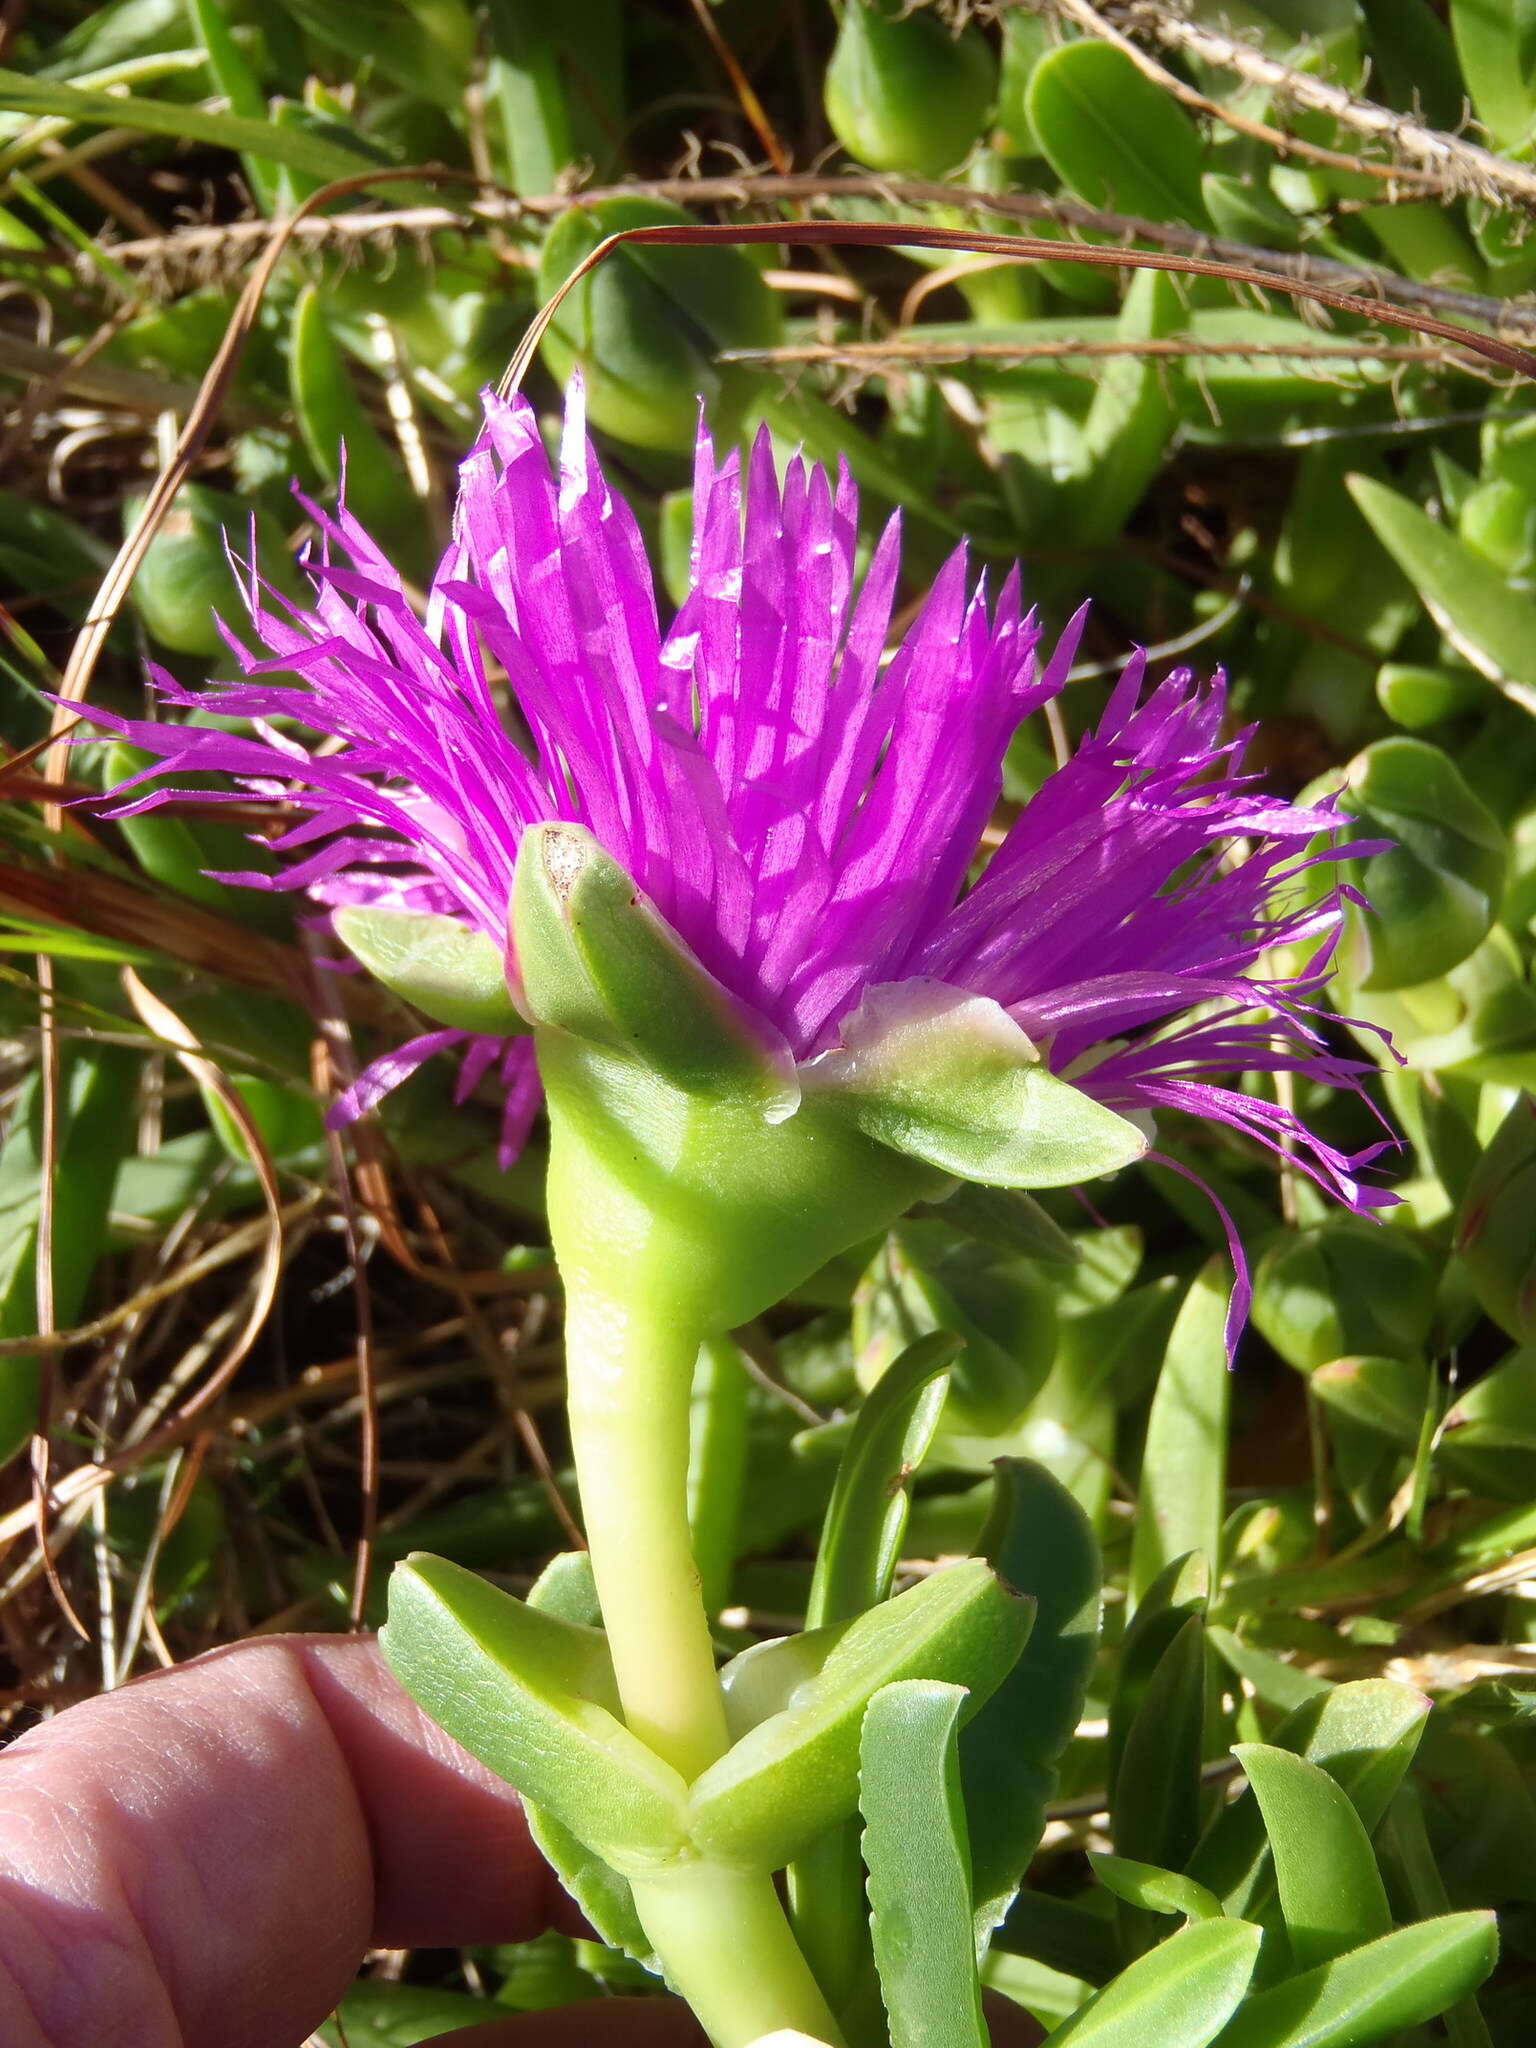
x=453 y=1859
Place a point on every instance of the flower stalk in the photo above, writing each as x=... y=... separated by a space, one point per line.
x=727 y=1947
x=634 y=1325
x=628 y=1382
x=721 y=1933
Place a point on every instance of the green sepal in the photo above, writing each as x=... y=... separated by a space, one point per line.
x=533 y=1697
x=795 y=1774
x=450 y=973
x=734 y=1209
x=950 y=1079
x=596 y=960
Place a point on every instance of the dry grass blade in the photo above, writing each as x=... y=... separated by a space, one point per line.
x=13 y=764
x=318 y=1386
x=103 y=383
x=910 y=349
x=64 y=887
x=143 y=919
x=168 y=1027
x=40 y=1456
x=365 y=1351
x=172 y=1496
x=1502 y=315
x=207 y=254
x=746 y=96
x=877 y=234
x=239 y=1244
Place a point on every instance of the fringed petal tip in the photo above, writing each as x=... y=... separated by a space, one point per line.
x=383 y=1075
x=512 y=1060
x=1240 y=1299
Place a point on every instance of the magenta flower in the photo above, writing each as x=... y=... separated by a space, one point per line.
x=807 y=814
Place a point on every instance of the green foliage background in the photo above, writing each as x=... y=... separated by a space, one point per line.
x=1341 y=514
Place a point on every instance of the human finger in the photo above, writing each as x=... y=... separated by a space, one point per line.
x=201 y=1859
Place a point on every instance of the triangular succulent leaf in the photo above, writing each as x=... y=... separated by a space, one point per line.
x=951 y=1079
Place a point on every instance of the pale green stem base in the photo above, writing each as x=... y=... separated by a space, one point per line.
x=728 y=1949
x=720 y=1932
x=630 y=1382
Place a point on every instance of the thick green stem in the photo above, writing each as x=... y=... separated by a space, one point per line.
x=630 y=1381
x=720 y=1932
x=727 y=1947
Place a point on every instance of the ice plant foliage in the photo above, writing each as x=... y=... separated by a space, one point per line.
x=806 y=813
